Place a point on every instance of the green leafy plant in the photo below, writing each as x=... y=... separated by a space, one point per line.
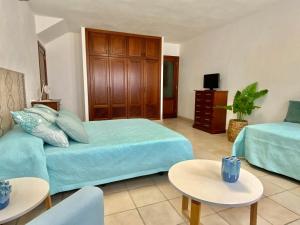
x=243 y=103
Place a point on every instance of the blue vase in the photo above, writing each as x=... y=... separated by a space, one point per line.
x=231 y=169
x=4 y=201
x=5 y=190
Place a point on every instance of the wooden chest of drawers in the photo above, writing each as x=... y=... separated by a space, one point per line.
x=208 y=117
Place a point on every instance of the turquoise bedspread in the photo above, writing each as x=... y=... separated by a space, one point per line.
x=118 y=149
x=273 y=146
x=22 y=155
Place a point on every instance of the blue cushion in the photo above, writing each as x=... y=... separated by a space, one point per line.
x=85 y=207
x=36 y=125
x=72 y=127
x=46 y=114
x=70 y=114
x=46 y=108
x=293 y=114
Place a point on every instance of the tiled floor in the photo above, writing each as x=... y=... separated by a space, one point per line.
x=152 y=200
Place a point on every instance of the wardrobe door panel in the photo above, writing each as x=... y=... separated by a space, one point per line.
x=152 y=89
x=135 y=46
x=117 y=46
x=99 y=88
x=135 y=88
x=152 y=48
x=98 y=43
x=118 y=87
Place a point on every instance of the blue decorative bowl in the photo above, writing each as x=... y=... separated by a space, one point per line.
x=4 y=201
x=231 y=169
x=5 y=190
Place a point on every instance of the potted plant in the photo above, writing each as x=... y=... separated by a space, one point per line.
x=243 y=105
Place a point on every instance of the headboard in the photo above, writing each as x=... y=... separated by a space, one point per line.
x=12 y=97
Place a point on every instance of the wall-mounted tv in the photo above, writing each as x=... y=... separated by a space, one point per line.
x=211 y=81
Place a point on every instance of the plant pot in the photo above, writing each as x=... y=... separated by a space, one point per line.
x=234 y=128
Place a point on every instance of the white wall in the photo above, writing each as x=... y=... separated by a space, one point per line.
x=18 y=44
x=64 y=67
x=171 y=49
x=264 y=47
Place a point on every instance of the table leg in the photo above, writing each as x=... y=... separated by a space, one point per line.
x=195 y=213
x=253 y=214
x=48 y=202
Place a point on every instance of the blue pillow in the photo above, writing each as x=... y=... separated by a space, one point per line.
x=37 y=126
x=47 y=115
x=293 y=114
x=73 y=127
x=46 y=108
x=70 y=114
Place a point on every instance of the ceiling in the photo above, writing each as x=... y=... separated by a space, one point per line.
x=176 y=20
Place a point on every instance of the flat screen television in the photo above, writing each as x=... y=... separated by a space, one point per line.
x=211 y=81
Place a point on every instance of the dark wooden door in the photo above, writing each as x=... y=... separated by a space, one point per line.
x=43 y=68
x=135 y=88
x=152 y=48
x=151 y=89
x=117 y=45
x=99 y=98
x=170 y=86
x=135 y=46
x=98 y=43
x=118 y=87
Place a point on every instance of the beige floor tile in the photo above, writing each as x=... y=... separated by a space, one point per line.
x=114 y=187
x=146 y=195
x=117 y=202
x=282 y=181
x=288 y=200
x=67 y=194
x=205 y=210
x=275 y=213
x=296 y=191
x=14 y=222
x=214 y=219
x=160 y=214
x=297 y=222
x=139 y=182
x=270 y=188
x=240 y=216
x=168 y=190
x=30 y=216
x=130 y=217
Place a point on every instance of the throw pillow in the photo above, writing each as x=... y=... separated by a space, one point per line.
x=37 y=126
x=72 y=127
x=46 y=108
x=293 y=114
x=47 y=115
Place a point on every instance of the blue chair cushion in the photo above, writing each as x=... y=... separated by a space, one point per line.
x=293 y=114
x=85 y=207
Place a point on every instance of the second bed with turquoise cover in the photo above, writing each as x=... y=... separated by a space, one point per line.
x=118 y=149
x=272 y=146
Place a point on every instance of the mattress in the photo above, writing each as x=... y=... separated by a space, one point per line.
x=272 y=146
x=118 y=149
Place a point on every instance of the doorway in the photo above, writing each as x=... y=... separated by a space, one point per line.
x=170 y=86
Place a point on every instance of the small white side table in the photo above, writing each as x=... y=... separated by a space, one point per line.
x=27 y=193
x=201 y=181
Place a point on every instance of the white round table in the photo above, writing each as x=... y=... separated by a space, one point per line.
x=27 y=193
x=201 y=181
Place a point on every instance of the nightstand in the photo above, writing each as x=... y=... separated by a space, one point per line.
x=52 y=103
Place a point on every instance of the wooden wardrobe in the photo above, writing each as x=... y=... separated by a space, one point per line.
x=124 y=75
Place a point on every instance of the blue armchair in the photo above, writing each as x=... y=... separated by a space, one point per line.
x=83 y=207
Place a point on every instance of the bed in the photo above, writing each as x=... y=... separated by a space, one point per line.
x=118 y=149
x=272 y=146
